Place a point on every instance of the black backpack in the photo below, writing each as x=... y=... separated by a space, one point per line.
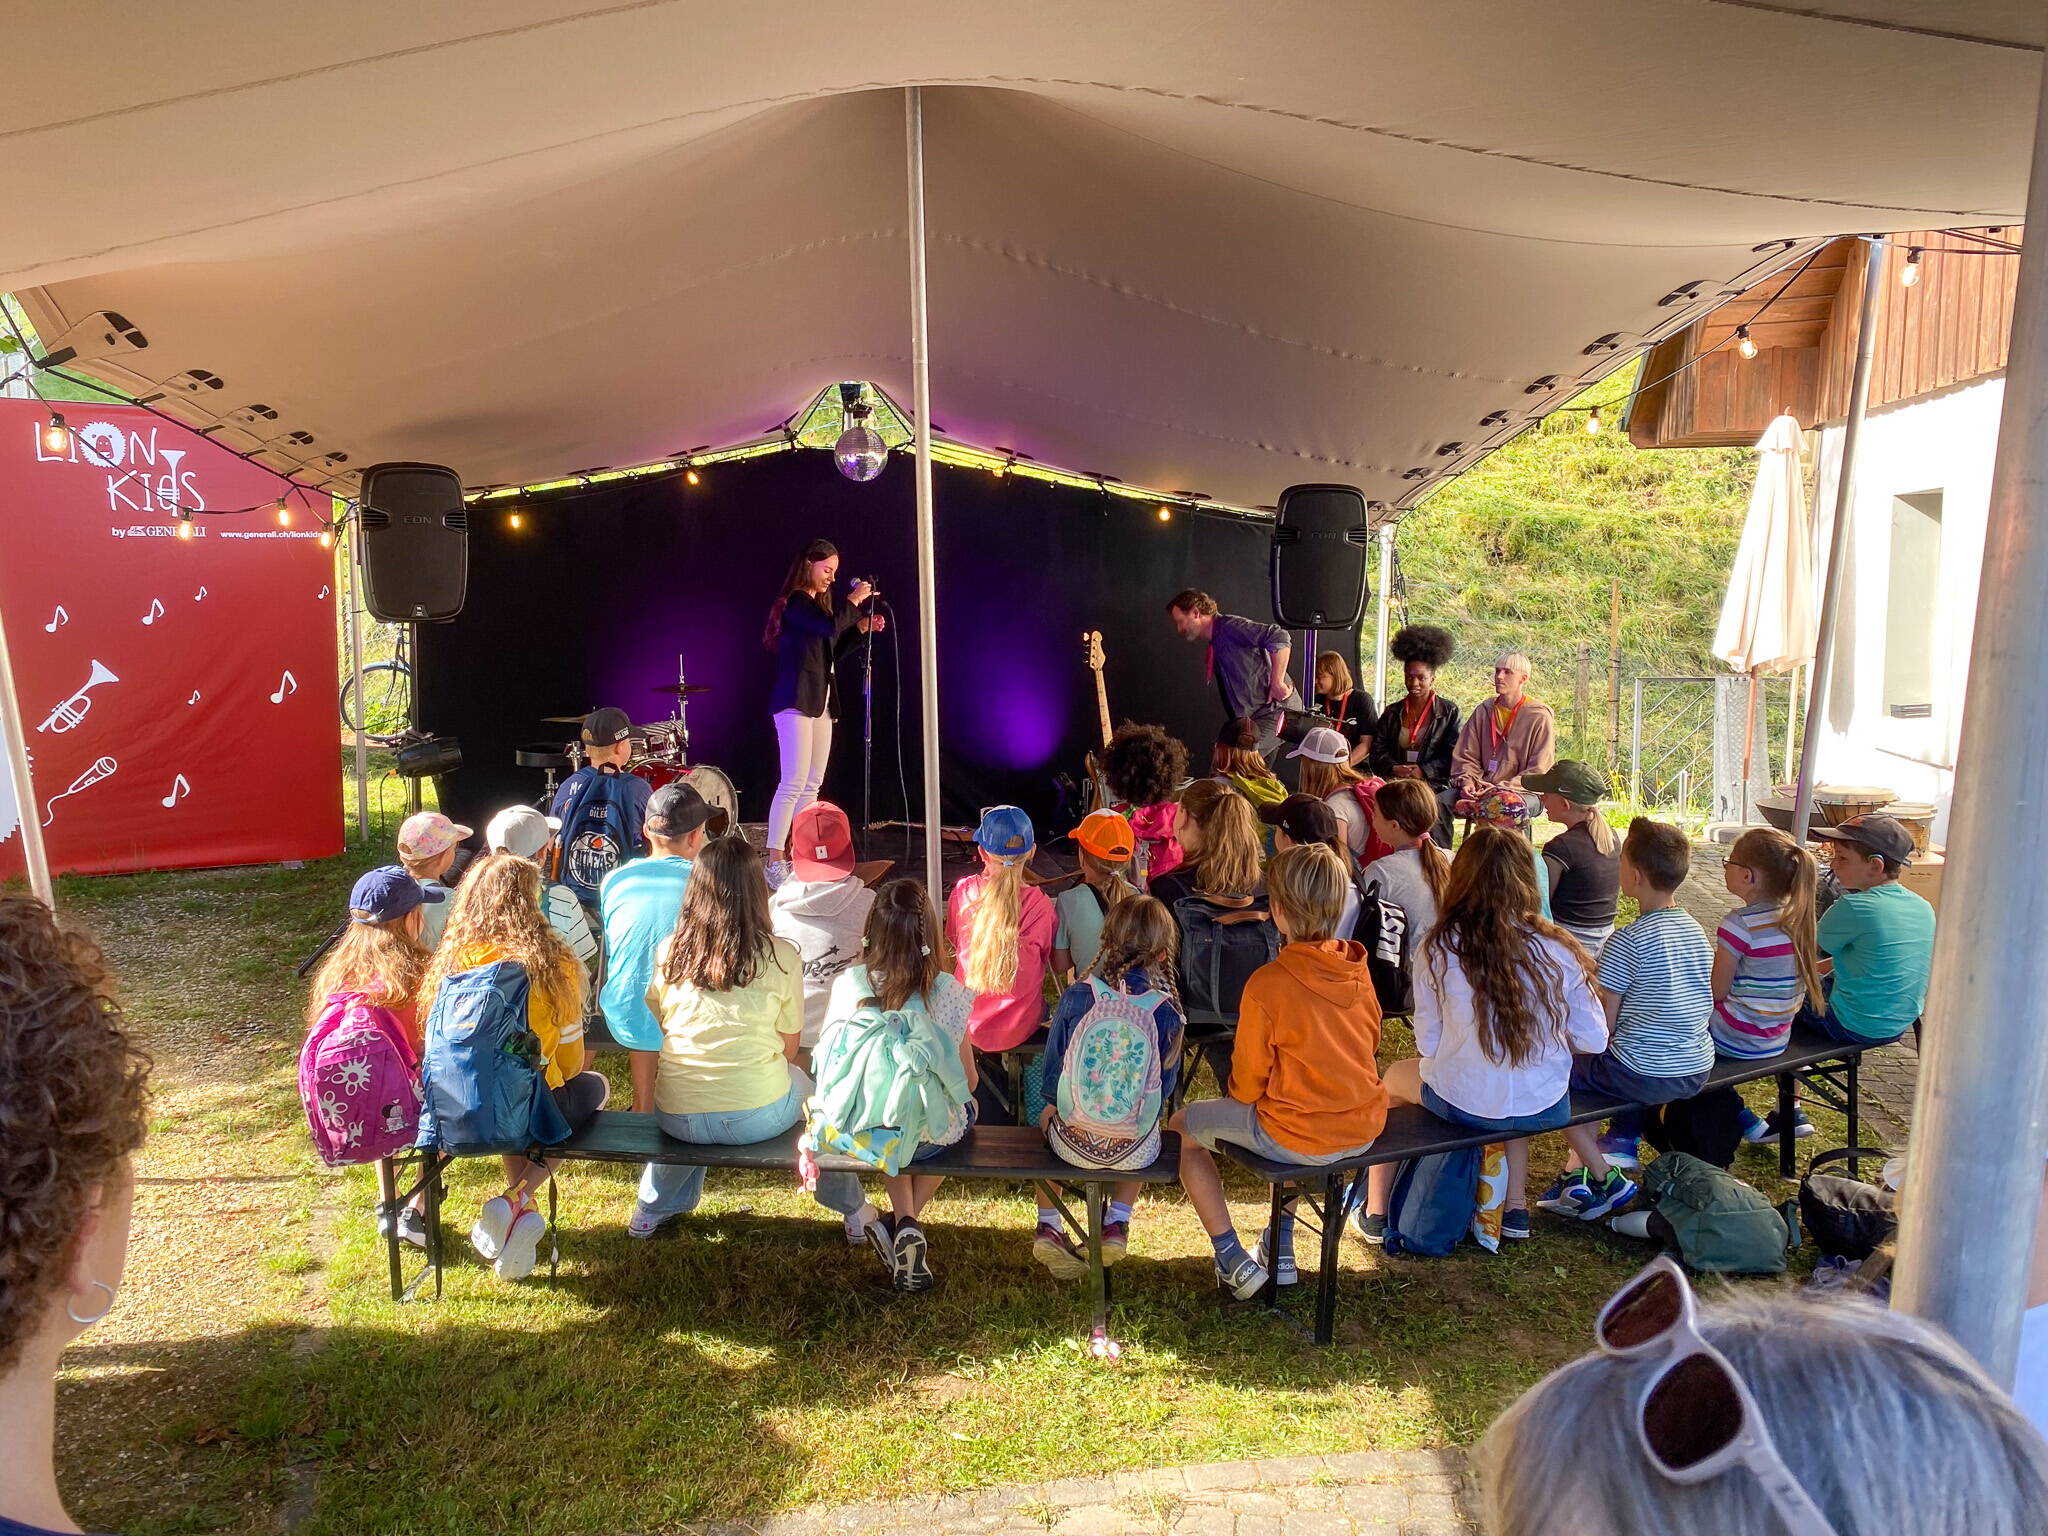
x=1220 y=947
x=1383 y=929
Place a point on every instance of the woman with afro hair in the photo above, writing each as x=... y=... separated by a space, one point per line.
x=1417 y=731
x=1145 y=768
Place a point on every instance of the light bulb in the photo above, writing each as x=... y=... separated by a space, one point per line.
x=1743 y=343
x=184 y=527
x=1909 y=274
x=999 y=470
x=1593 y=421
x=515 y=522
x=1165 y=513
x=56 y=436
x=860 y=453
x=693 y=477
x=284 y=514
x=326 y=538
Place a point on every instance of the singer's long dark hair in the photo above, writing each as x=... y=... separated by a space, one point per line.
x=798 y=578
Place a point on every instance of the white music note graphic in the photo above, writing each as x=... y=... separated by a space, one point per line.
x=325 y=589
x=290 y=684
x=101 y=768
x=199 y=595
x=57 y=618
x=179 y=791
x=156 y=611
x=195 y=697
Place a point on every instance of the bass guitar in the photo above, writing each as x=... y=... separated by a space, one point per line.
x=1097 y=796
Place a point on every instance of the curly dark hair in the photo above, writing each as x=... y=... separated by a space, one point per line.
x=1143 y=764
x=72 y=1091
x=1430 y=644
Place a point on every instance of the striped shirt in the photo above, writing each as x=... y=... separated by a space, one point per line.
x=1764 y=994
x=567 y=917
x=1663 y=966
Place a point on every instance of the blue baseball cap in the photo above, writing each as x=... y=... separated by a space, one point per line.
x=387 y=893
x=1006 y=833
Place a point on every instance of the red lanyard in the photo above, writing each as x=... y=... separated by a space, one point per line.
x=1415 y=722
x=1500 y=736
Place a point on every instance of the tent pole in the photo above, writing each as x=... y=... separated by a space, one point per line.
x=1979 y=1131
x=921 y=411
x=16 y=731
x=351 y=556
x=1379 y=651
x=1821 y=673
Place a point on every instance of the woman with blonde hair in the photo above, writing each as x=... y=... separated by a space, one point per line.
x=498 y=915
x=1582 y=864
x=1001 y=930
x=1345 y=703
x=1327 y=774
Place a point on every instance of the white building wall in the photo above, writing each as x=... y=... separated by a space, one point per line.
x=1943 y=443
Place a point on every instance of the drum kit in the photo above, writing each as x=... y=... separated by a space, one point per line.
x=661 y=754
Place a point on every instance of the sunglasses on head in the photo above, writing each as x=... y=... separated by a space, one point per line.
x=1694 y=1417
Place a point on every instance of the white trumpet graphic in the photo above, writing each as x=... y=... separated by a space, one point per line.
x=103 y=767
x=72 y=710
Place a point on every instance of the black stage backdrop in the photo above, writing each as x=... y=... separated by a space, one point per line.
x=594 y=598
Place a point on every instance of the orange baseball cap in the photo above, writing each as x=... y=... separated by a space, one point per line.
x=1107 y=835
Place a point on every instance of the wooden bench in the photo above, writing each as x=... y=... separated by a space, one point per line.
x=1826 y=1067
x=1011 y=1153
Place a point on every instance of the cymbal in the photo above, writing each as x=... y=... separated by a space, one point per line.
x=563 y=719
x=682 y=690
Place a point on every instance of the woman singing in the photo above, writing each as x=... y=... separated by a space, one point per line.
x=807 y=629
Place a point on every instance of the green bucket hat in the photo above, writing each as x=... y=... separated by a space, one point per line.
x=1575 y=781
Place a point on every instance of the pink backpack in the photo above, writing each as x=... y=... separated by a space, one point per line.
x=359 y=1081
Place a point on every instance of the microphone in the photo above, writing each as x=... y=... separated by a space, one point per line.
x=854 y=581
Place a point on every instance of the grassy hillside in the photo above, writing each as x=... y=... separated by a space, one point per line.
x=1519 y=554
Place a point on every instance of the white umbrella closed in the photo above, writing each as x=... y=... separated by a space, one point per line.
x=1768 y=622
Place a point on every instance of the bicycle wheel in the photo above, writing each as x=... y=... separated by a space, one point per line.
x=385 y=706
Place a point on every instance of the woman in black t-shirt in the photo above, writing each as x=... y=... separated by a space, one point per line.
x=1349 y=706
x=1584 y=860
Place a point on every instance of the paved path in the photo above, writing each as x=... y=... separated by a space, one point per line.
x=1359 y=1493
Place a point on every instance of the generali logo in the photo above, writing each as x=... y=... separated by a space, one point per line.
x=139 y=476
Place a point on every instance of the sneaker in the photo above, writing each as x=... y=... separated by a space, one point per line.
x=1284 y=1272
x=1050 y=1247
x=913 y=1264
x=521 y=1250
x=410 y=1224
x=1592 y=1201
x=1515 y=1224
x=1765 y=1132
x=777 y=872
x=1244 y=1279
x=1116 y=1240
x=1372 y=1228
x=1562 y=1194
x=881 y=1236
x=493 y=1223
x=857 y=1224
x=642 y=1225
x=1622 y=1151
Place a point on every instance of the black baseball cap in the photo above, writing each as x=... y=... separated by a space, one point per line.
x=604 y=727
x=676 y=810
x=1303 y=818
x=1880 y=835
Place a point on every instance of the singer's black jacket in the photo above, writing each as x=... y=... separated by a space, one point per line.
x=812 y=638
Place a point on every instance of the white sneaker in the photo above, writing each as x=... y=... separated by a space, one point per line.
x=487 y=1235
x=857 y=1225
x=522 y=1246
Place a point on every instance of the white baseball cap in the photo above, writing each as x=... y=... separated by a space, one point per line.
x=1323 y=745
x=522 y=830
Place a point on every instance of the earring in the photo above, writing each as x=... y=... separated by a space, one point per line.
x=71 y=1310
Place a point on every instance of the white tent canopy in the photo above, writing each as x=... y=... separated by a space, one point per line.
x=1204 y=246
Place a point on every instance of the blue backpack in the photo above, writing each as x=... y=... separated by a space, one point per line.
x=481 y=1078
x=601 y=828
x=1433 y=1203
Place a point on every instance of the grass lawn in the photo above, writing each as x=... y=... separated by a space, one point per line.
x=255 y=1376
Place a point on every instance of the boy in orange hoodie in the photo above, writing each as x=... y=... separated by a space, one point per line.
x=1304 y=1083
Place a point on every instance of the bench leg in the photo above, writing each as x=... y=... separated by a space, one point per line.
x=388 y=1207
x=1855 y=1117
x=1787 y=1106
x=554 y=1231
x=1336 y=1196
x=1098 y=1272
x=436 y=1249
x=1271 y=1294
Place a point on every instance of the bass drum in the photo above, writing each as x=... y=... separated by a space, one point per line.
x=718 y=793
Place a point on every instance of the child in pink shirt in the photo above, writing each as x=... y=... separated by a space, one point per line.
x=1002 y=931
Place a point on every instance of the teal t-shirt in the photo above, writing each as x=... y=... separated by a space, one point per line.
x=1080 y=913
x=1882 y=943
x=639 y=901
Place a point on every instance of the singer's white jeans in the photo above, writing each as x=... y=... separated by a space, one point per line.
x=806 y=742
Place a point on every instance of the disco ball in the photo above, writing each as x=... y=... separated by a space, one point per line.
x=860 y=453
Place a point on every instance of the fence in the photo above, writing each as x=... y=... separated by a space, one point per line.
x=1685 y=742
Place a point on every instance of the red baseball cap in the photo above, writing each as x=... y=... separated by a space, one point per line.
x=821 y=843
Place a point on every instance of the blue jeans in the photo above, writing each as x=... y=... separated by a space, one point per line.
x=1823 y=1019
x=1514 y=1127
x=668 y=1190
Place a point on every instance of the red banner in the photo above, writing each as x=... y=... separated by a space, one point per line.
x=177 y=695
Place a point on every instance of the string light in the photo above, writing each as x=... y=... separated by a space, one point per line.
x=1165 y=513
x=184 y=525
x=56 y=436
x=515 y=522
x=284 y=514
x=693 y=477
x=1909 y=274
x=327 y=538
x=1593 y=421
x=1743 y=343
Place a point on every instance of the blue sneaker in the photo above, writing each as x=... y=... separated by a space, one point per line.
x=1622 y=1151
x=1515 y=1224
x=1765 y=1132
x=1561 y=1196
x=1592 y=1201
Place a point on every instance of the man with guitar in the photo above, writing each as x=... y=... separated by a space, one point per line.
x=1138 y=772
x=1247 y=661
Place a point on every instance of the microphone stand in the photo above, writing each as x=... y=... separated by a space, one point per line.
x=867 y=733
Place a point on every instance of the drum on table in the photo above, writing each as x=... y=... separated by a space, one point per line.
x=709 y=782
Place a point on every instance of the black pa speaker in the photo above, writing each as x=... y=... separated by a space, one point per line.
x=1321 y=542
x=415 y=543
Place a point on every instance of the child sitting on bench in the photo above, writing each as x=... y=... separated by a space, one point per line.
x=1144 y=768
x=1656 y=986
x=1766 y=962
x=1135 y=962
x=427 y=846
x=1105 y=844
x=1001 y=930
x=1878 y=936
x=1304 y=1086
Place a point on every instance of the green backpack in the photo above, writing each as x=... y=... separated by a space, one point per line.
x=1718 y=1223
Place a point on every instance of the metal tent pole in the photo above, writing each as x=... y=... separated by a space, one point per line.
x=16 y=731
x=1379 y=650
x=352 y=557
x=921 y=412
x=1979 y=1132
x=1821 y=674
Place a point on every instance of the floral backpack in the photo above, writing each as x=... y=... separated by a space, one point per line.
x=1109 y=1087
x=359 y=1081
